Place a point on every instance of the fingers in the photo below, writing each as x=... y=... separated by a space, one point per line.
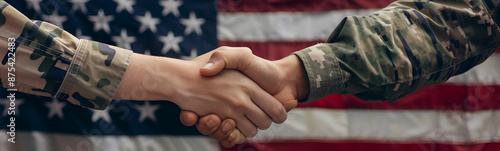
x=226 y=128
x=236 y=137
x=208 y=124
x=258 y=117
x=226 y=133
x=246 y=127
x=188 y=118
x=270 y=105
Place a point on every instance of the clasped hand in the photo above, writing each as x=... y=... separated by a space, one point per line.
x=228 y=83
x=278 y=85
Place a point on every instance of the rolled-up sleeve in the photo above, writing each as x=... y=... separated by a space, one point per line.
x=48 y=61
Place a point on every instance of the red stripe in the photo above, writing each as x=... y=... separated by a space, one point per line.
x=438 y=97
x=271 y=50
x=298 y=5
x=359 y=146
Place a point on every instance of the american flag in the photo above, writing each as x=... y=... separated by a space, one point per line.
x=461 y=114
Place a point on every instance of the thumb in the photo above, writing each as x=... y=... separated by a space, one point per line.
x=214 y=65
x=228 y=58
x=289 y=104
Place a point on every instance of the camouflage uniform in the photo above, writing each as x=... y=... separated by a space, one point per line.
x=51 y=62
x=401 y=48
x=384 y=56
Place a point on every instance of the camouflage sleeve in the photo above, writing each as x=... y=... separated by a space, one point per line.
x=401 y=48
x=51 y=62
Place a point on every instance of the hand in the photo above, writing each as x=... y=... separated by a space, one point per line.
x=285 y=79
x=229 y=95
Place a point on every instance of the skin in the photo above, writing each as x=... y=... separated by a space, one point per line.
x=230 y=94
x=285 y=79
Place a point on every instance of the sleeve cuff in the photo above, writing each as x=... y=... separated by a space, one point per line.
x=94 y=75
x=323 y=71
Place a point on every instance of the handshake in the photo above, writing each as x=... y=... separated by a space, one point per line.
x=228 y=83
x=228 y=92
x=248 y=92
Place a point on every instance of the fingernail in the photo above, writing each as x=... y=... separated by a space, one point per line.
x=226 y=128
x=211 y=124
x=187 y=120
x=231 y=137
x=209 y=65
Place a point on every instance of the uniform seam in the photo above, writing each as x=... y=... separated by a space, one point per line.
x=41 y=45
x=69 y=81
x=312 y=84
x=127 y=63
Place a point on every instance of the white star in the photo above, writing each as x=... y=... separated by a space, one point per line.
x=124 y=40
x=55 y=19
x=35 y=4
x=125 y=4
x=147 y=22
x=170 y=6
x=193 y=24
x=6 y=106
x=55 y=107
x=79 y=4
x=193 y=55
x=170 y=42
x=101 y=114
x=101 y=21
x=147 y=111
x=81 y=36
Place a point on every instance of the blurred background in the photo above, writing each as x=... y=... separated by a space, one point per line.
x=460 y=115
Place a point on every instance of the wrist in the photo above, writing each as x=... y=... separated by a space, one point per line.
x=296 y=74
x=147 y=78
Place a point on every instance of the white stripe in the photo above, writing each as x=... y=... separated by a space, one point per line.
x=486 y=73
x=41 y=141
x=282 y=26
x=398 y=126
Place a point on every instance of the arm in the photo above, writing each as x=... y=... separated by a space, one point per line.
x=52 y=62
x=402 y=48
x=397 y=50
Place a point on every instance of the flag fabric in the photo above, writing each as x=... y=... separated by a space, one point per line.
x=170 y=28
x=461 y=114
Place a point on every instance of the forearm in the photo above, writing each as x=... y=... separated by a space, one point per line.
x=51 y=62
x=296 y=75
x=148 y=78
x=398 y=50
